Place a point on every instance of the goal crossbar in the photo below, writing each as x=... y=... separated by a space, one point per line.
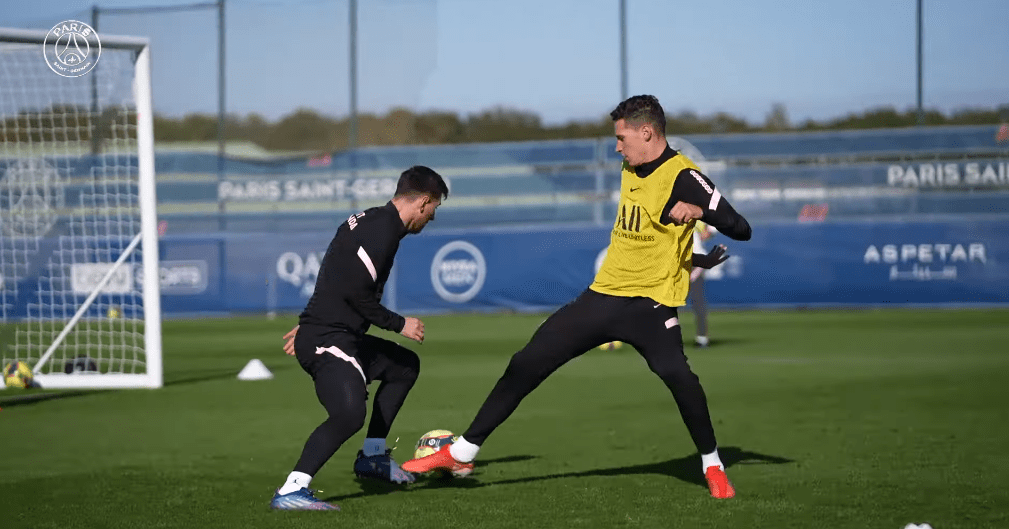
x=35 y=36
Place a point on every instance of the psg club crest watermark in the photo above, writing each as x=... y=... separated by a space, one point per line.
x=72 y=48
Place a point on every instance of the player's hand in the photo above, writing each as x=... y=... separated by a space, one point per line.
x=683 y=213
x=414 y=330
x=289 y=345
x=712 y=259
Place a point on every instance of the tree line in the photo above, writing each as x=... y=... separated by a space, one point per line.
x=307 y=129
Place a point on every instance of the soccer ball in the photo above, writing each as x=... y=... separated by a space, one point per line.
x=430 y=443
x=433 y=441
x=611 y=345
x=18 y=375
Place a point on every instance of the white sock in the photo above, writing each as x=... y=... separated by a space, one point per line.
x=463 y=451
x=374 y=446
x=701 y=340
x=711 y=460
x=295 y=481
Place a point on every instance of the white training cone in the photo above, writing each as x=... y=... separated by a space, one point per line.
x=255 y=370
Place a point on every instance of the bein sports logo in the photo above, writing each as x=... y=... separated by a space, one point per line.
x=71 y=48
x=183 y=278
x=176 y=277
x=458 y=271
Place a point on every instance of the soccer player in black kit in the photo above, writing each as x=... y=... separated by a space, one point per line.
x=332 y=344
x=633 y=299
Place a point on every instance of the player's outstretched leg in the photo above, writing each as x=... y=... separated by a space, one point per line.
x=571 y=331
x=440 y=460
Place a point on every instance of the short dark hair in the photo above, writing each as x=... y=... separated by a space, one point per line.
x=420 y=180
x=641 y=110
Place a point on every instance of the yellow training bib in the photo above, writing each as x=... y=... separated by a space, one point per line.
x=646 y=257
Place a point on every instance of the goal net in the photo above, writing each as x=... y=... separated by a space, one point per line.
x=79 y=275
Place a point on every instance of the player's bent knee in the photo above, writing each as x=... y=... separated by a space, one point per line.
x=347 y=416
x=351 y=421
x=411 y=365
x=407 y=368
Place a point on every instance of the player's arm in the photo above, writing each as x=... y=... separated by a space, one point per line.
x=363 y=297
x=694 y=189
x=374 y=249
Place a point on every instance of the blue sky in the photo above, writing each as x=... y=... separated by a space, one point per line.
x=560 y=58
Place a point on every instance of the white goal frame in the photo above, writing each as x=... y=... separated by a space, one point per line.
x=147 y=239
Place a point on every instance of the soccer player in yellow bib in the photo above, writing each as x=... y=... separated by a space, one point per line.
x=644 y=277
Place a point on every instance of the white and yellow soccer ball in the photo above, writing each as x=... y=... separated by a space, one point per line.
x=608 y=346
x=433 y=441
x=18 y=375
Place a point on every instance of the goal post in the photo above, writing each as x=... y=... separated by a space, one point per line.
x=79 y=272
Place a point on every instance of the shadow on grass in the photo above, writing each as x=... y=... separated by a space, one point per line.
x=372 y=487
x=686 y=469
x=35 y=397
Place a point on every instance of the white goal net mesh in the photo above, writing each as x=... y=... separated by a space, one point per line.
x=68 y=209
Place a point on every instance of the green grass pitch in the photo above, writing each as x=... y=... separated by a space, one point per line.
x=833 y=419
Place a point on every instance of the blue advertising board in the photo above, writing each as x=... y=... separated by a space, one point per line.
x=786 y=265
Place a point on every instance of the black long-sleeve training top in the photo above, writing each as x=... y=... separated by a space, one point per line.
x=352 y=276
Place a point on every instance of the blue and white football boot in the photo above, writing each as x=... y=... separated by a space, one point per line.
x=300 y=500
x=382 y=467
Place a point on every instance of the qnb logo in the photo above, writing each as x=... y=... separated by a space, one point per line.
x=72 y=48
x=300 y=272
x=458 y=271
